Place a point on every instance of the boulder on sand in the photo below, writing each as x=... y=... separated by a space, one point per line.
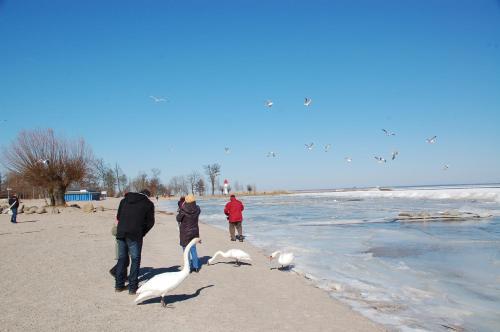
x=88 y=208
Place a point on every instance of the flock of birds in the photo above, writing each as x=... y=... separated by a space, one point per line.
x=161 y=284
x=310 y=146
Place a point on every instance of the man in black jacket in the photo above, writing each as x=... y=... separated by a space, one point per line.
x=135 y=218
x=14 y=205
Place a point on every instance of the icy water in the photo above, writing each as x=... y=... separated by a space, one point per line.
x=409 y=276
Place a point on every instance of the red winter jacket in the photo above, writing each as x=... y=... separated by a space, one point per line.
x=233 y=210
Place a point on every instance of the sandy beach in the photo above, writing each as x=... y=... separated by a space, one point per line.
x=55 y=270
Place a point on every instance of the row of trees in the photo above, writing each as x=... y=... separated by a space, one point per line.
x=39 y=163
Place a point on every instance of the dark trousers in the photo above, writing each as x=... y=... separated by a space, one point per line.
x=14 y=215
x=133 y=248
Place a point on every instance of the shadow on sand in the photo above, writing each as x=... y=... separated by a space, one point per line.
x=286 y=268
x=170 y=299
x=22 y=222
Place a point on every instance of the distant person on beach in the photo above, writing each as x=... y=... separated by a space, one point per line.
x=233 y=211
x=136 y=216
x=187 y=218
x=14 y=205
x=180 y=202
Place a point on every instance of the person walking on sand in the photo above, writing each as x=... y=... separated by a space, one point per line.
x=233 y=211
x=14 y=205
x=187 y=218
x=136 y=217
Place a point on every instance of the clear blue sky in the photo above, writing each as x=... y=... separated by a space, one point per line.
x=418 y=68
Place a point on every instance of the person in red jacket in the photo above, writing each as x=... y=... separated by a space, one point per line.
x=233 y=211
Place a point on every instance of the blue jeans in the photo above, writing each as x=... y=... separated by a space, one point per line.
x=133 y=248
x=194 y=262
x=14 y=215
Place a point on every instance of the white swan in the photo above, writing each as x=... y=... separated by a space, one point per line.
x=284 y=259
x=237 y=254
x=163 y=283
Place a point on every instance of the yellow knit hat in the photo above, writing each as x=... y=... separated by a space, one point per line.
x=190 y=198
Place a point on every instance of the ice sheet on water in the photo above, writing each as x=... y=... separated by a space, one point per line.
x=407 y=275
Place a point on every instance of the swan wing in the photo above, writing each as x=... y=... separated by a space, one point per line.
x=145 y=296
x=162 y=282
x=240 y=254
x=286 y=259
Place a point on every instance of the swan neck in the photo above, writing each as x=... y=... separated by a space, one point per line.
x=186 y=267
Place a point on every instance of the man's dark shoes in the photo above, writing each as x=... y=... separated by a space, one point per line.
x=195 y=270
x=233 y=239
x=120 y=289
x=132 y=291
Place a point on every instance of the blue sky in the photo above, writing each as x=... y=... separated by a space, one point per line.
x=418 y=68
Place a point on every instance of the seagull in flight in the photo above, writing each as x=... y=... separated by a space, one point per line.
x=309 y=146
x=388 y=133
x=227 y=150
x=431 y=140
x=158 y=99
x=45 y=162
x=380 y=159
x=394 y=154
x=327 y=147
x=269 y=103
x=307 y=101
x=445 y=167
x=271 y=154
x=348 y=159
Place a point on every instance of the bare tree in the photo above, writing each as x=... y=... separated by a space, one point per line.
x=200 y=187
x=140 y=182
x=213 y=172
x=193 y=179
x=179 y=185
x=121 y=179
x=106 y=176
x=154 y=182
x=51 y=162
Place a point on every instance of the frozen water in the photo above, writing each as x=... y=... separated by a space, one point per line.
x=411 y=275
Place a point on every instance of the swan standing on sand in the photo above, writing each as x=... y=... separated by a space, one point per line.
x=163 y=283
x=237 y=254
x=284 y=259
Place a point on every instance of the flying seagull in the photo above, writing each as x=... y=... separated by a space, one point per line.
x=269 y=103
x=158 y=99
x=348 y=159
x=309 y=146
x=394 y=154
x=388 y=133
x=45 y=162
x=307 y=101
x=227 y=150
x=431 y=140
x=327 y=147
x=380 y=159
x=445 y=167
x=271 y=154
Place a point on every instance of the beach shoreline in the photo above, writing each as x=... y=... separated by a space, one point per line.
x=57 y=279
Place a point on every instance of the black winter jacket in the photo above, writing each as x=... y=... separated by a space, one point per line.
x=136 y=216
x=188 y=219
x=13 y=200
